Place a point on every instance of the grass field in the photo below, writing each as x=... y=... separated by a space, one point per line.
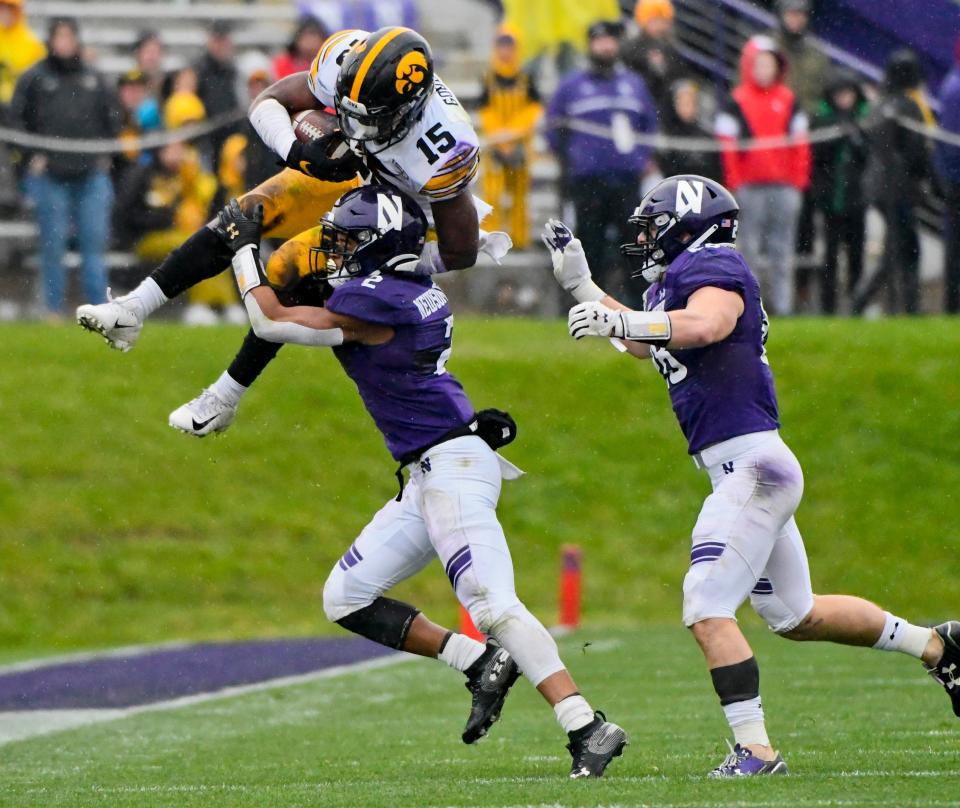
x=857 y=729
x=118 y=530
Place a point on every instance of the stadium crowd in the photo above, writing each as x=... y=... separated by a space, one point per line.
x=803 y=199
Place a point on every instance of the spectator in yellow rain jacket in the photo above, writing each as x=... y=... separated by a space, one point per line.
x=20 y=48
x=509 y=109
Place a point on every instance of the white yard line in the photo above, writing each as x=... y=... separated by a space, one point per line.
x=19 y=725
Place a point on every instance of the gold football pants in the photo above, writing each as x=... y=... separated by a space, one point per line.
x=293 y=204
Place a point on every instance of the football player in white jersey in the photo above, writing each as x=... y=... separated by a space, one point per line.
x=405 y=128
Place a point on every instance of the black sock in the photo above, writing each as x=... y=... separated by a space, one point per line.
x=254 y=355
x=201 y=256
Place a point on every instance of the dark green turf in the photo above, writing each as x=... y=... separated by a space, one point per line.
x=116 y=529
x=857 y=727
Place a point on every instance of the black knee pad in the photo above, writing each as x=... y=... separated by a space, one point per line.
x=740 y=682
x=384 y=621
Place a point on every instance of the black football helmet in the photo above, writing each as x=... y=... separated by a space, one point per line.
x=374 y=227
x=680 y=213
x=384 y=83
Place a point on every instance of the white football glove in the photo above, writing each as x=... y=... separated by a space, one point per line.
x=570 y=266
x=592 y=319
x=496 y=244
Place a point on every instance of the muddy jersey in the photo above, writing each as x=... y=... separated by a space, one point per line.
x=404 y=383
x=725 y=389
x=436 y=160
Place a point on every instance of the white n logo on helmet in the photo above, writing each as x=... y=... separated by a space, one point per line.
x=389 y=212
x=689 y=197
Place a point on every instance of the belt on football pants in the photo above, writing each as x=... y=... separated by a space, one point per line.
x=414 y=455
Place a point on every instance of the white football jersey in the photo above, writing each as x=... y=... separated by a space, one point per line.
x=436 y=160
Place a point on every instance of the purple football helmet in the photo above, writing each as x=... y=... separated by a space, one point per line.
x=680 y=213
x=374 y=227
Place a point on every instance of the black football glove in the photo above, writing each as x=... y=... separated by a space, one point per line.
x=313 y=159
x=236 y=229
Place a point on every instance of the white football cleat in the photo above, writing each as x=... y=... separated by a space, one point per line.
x=117 y=321
x=205 y=414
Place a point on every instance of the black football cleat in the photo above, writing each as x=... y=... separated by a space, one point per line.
x=594 y=746
x=489 y=679
x=947 y=670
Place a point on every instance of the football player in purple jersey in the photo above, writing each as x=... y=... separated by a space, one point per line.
x=392 y=330
x=704 y=326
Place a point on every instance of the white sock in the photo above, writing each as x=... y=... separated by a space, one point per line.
x=899 y=635
x=228 y=390
x=460 y=651
x=147 y=298
x=746 y=720
x=573 y=712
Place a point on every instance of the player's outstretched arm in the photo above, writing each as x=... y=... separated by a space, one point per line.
x=710 y=316
x=271 y=321
x=328 y=328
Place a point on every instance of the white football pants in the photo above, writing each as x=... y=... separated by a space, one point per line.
x=448 y=510
x=746 y=542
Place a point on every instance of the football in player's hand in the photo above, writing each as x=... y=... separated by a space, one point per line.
x=312 y=125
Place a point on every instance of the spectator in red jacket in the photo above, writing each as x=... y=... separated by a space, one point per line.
x=768 y=182
x=302 y=48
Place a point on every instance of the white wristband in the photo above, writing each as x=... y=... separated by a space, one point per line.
x=272 y=123
x=646 y=326
x=246 y=269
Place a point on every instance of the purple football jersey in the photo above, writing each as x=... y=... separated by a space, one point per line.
x=725 y=389
x=403 y=383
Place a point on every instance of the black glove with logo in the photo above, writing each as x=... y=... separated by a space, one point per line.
x=314 y=160
x=236 y=229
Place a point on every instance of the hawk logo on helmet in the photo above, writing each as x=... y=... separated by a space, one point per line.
x=689 y=197
x=389 y=212
x=411 y=71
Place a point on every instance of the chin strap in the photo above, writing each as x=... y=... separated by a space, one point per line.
x=653 y=274
x=703 y=237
